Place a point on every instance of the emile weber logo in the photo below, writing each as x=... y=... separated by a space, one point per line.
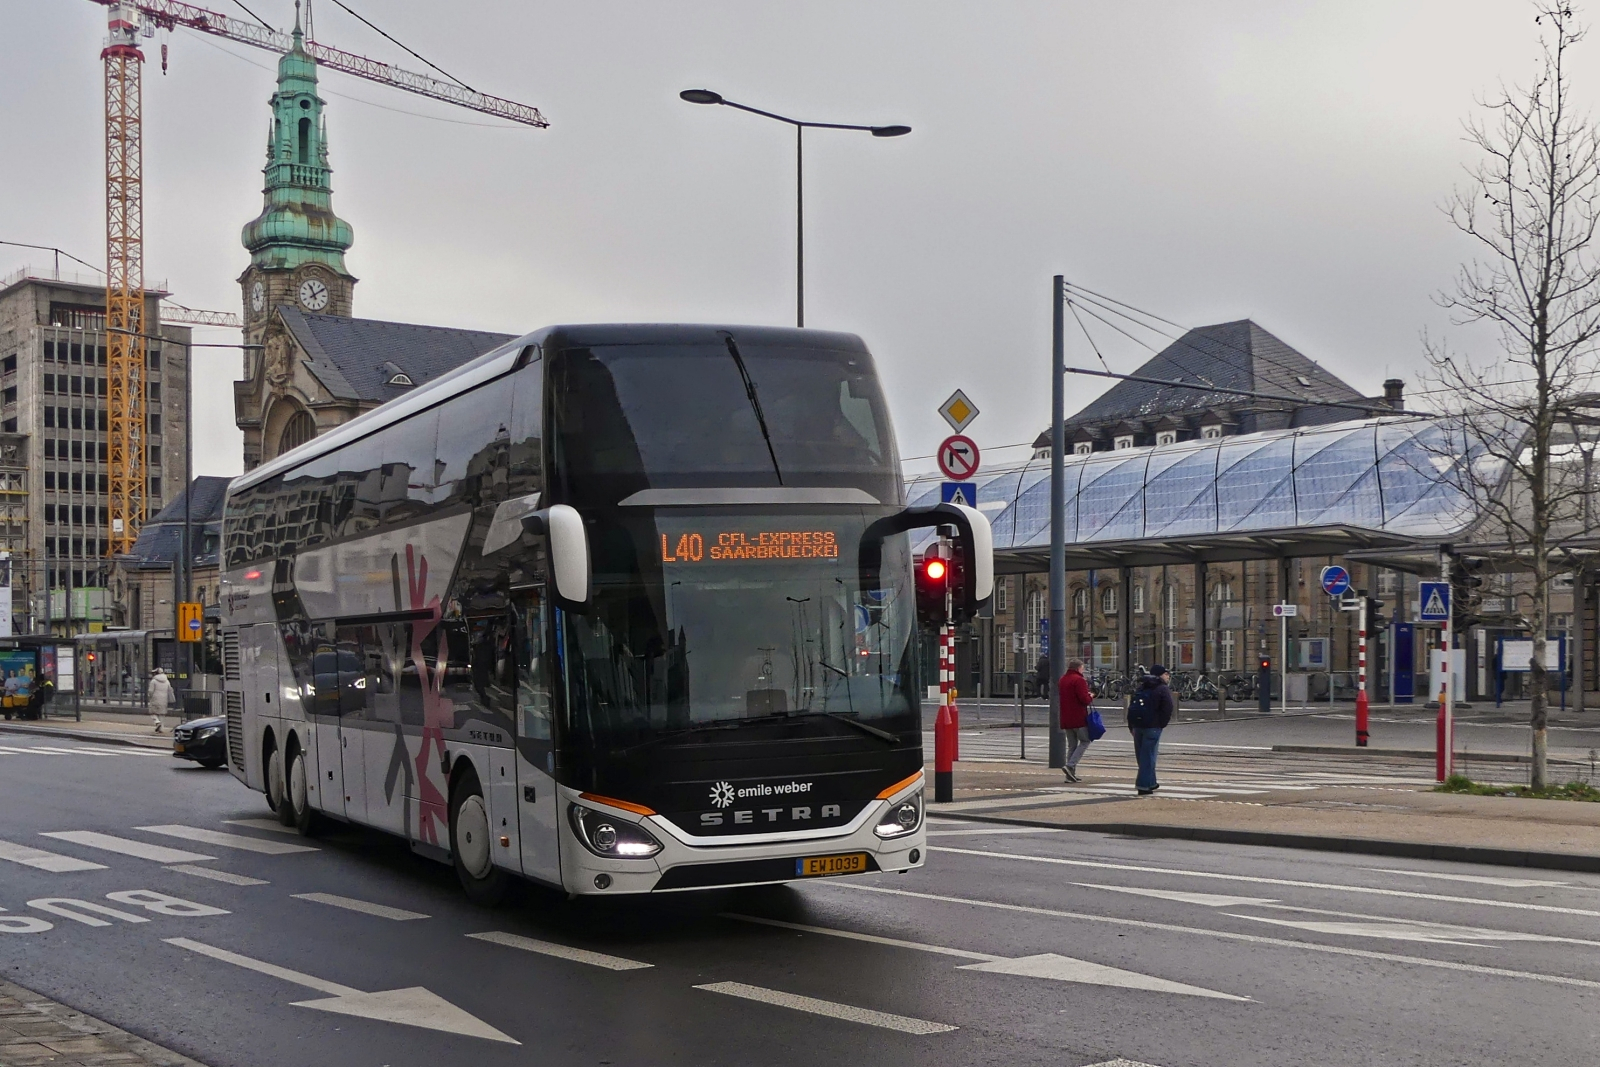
x=723 y=794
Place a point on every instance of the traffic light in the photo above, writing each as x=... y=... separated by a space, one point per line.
x=1375 y=618
x=933 y=581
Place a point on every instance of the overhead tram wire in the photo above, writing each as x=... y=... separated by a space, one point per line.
x=1100 y=300
x=1086 y=335
x=238 y=4
x=391 y=40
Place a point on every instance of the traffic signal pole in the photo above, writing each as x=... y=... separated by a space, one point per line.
x=1058 y=532
x=1445 y=747
x=945 y=730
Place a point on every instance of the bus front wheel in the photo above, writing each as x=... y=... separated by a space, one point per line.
x=471 y=844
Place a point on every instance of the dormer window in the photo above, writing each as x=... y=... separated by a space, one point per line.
x=1210 y=433
x=1082 y=448
x=393 y=375
x=1124 y=441
x=1167 y=437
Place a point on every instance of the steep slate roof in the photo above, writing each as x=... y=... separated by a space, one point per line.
x=1234 y=355
x=161 y=538
x=346 y=354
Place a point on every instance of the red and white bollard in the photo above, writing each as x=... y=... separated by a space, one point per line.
x=1361 y=679
x=946 y=733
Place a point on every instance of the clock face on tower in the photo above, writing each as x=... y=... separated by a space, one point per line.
x=313 y=295
x=258 y=297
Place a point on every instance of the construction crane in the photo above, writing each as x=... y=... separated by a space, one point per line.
x=126 y=355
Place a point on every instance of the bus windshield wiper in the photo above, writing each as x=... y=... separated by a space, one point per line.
x=883 y=735
x=755 y=402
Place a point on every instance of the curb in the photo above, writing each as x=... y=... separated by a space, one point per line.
x=83 y=735
x=1419 y=753
x=1496 y=857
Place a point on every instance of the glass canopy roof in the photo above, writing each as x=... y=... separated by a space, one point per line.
x=1391 y=477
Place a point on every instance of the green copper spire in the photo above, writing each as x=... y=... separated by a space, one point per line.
x=297 y=224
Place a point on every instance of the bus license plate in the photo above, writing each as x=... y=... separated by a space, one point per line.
x=822 y=866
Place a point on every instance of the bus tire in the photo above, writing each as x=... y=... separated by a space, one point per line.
x=471 y=844
x=275 y=786
x=297 y=797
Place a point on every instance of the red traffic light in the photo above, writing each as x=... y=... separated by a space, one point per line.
x=1266 y=664
x=934 y=569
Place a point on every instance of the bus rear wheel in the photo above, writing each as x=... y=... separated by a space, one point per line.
x=471 y=844
x=297 y=798
x=276 y=793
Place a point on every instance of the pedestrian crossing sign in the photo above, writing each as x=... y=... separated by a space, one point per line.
x=959 y=493
x=1434 y=599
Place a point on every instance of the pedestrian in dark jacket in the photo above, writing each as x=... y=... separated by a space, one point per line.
x=1075 y=699
x=1149 y=712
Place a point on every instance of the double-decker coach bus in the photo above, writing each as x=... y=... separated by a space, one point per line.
x=619 y=609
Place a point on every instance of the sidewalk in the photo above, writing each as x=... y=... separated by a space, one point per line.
x=105 y=727
x=37 y=1030
x=1377 y=803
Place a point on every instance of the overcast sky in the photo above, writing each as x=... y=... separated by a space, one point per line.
x=1207 y=161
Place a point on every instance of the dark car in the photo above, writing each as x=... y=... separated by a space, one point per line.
x=203 y=740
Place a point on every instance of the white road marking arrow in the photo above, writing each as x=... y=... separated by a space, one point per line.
x=1209 y=900
x=414 y=1006
x=1045 y=965
x=1067 y=969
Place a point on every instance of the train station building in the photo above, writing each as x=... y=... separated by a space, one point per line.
x=1190 y=514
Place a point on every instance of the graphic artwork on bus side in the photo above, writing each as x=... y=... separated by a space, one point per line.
x=438 y=711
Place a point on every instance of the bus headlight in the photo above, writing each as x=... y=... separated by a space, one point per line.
x=901 y=818
x=605 y=835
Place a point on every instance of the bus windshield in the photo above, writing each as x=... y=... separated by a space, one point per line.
x=633 y=417
x=710 y=618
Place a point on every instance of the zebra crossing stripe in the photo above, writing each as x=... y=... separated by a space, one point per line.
x=45 y=861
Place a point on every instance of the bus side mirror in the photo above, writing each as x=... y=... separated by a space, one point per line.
x=974 y=550
x=569 y=555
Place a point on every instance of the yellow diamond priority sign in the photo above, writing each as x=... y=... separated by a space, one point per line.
x=958 y=411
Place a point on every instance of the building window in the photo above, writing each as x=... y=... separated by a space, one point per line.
x=1108 y=600
x=1080 y=603
x=1137 y=595
x=155 y=455
x=77 y=418
x=102 y=420
x=1167 y=437
x=9 y=366
x=49 y=479
x=50 y=513
x=50 y=418
x=1002 y=587
x=155 y=390
x=103 y=454
x=1386 y=582
x=1082 y=448
x=1227 y=647
x=77 y=450
x=1169 y=607
x=155 y=424
x=300 y=428
x=1222 y=593
x=1125 y=441
x=77 y=483
x=103 y=480
x=49 y=448
x=1210 y=433
x=77 y=385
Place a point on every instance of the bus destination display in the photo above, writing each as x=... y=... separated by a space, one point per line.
x=717 y=546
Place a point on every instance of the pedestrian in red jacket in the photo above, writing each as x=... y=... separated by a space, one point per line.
x=1075 y=701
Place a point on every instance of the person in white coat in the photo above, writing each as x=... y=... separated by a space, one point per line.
x=159 y=695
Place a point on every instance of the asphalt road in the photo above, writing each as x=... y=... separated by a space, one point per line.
x=1011 y=947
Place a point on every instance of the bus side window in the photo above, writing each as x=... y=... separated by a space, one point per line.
x=532 y=666
x=526 y=458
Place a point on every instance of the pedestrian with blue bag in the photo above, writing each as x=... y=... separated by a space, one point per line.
x=1079 y=721
x=1149 y=712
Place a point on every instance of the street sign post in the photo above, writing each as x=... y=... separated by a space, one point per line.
x=1433 y=599
x=958 y=457
x=1335 y=580
x=1433 y=605
x=958 y=493
x=190 y=620
x=1284 y=612
x=958 y=411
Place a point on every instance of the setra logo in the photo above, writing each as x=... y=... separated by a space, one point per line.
x=722 y=794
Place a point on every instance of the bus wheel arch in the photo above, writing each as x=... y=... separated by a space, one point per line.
x=471 y=838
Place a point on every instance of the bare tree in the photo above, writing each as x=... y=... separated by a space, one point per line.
x=1526 y=416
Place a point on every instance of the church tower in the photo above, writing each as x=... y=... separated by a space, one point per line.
x=297 y=243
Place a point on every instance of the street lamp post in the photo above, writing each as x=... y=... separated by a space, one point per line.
x=706 y=96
